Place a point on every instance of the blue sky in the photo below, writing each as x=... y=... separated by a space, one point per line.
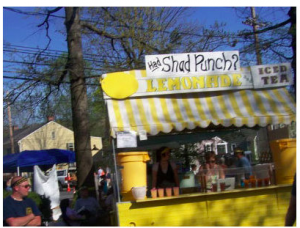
x=22 y=30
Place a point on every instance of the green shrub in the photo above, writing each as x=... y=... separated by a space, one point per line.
x=6 y=193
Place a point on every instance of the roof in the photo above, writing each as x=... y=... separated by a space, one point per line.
x=189 y=111
x=22 y=133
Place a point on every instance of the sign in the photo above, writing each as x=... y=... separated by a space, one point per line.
x=194 y=73
x=152 y=86
x=126 y=139
x=199 y=63
x=275 y=75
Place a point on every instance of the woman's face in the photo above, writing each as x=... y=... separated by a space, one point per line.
x=211 y=162
x=165 y=156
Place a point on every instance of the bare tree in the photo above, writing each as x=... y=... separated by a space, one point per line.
x=79 y=102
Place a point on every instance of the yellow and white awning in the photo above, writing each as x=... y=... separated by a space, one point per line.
x=188 y=111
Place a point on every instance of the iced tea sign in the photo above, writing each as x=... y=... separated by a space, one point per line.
x=276 y=75
x=200 y=63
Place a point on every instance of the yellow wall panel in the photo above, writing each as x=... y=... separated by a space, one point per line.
x=256 y=207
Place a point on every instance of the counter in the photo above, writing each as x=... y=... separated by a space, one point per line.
x=264 y=206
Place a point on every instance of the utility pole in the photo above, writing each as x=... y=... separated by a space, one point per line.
x=256 y=41
x=255 y=25
x=11 y=132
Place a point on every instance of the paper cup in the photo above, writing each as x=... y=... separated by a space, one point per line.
x=153 y=193
x=161 y=192
x=176 y=191
x=169 y=191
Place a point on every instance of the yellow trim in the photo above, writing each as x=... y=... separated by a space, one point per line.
x=143 y=115
x=118 y=115
x=130 y=113
x=177 y=111
x=252 y=207
x=165 y=110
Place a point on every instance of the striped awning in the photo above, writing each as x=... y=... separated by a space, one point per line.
x=188 y=111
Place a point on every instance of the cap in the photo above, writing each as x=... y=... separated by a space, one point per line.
x=238 y=150
x=18 y=180
x=165 y=150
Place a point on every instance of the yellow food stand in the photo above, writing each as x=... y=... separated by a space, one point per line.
x=142 y=104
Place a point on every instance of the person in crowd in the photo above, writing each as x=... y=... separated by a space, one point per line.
x=194 y=169
x=70 y=216
x=164 y=172
x=211 y=170
x=103 y=184
x=290 y=217
x=88 y=206
x=8 y=184
x=100 y=173
x=243 y=162
x=18 y=210
x=109 y=201
x=108 y=176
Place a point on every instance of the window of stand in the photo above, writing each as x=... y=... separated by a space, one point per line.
x=226 y=179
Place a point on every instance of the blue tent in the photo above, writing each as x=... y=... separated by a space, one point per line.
x=28 y=158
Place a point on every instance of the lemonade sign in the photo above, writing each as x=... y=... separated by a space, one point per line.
x=193 y=72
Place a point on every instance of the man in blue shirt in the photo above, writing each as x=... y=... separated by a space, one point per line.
x=243 y=162
x=18 y=210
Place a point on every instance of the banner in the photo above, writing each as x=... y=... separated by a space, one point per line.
x=192 y=73
x=192 y=63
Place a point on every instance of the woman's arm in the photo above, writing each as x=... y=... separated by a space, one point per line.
x=176 y=178
x=221 y=173
x=154 y=175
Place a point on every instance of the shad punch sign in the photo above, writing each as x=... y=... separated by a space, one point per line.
x=192 y=63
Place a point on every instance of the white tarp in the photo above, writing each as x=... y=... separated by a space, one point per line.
x=47 y=185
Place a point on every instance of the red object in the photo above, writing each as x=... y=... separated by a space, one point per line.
x=68 y=189
x=67 y=178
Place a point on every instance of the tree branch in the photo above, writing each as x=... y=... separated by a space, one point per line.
x=267 y=29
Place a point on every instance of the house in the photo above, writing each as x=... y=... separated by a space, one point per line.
x=48 y=135
x=214 y=144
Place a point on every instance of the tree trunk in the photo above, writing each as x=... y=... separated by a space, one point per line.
x=79 y=101
x=292 y=14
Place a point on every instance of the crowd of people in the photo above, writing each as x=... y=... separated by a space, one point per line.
x=165 y=171
x=88 y=211
x=20 y=210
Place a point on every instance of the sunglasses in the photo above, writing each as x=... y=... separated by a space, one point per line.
x=213 y=161
x=25 y=186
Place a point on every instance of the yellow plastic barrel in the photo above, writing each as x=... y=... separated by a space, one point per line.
x=134 y=172
x=284 y=157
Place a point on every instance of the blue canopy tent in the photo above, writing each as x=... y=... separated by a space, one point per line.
x=25 y=160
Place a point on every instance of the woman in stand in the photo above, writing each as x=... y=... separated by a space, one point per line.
x=70 y=216
x=164 y=172
x=211 y=170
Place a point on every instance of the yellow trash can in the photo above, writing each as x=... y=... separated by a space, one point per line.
x=284 y=157
x=134 y=172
